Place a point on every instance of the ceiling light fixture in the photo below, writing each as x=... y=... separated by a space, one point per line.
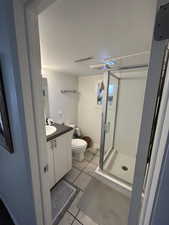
x=110 y=63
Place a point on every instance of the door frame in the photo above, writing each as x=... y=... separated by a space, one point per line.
x=28 y=49
x=158 y=152
x=29 y=58
x=152 y=85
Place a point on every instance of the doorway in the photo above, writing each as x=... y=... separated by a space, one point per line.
x=35 y=66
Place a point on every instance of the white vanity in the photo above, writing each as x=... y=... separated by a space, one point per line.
x=59 y=154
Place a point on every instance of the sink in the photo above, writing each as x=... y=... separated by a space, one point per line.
x=50 y=130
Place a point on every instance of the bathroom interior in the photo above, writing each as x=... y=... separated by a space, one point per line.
x=93 y=104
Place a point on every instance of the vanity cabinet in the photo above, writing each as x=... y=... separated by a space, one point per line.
x=59 y=157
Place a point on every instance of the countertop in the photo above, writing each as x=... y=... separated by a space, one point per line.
x=61 y=129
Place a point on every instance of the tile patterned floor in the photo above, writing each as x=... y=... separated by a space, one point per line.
x=67 y=219
x=90 y=169
x=82 y=181
x=80 y=176
x=73 y=209
x=76 y=222
x=84 y=219
x=80 y=165
x=72 y=175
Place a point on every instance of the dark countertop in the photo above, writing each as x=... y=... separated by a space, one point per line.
x=61 y=129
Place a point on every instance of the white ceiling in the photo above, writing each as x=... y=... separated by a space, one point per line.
x=73 y=29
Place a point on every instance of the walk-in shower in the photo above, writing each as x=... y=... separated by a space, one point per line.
x=121 y=118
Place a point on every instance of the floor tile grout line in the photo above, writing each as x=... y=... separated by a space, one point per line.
x=81 y=171
x=77 y=177
x=79 y=168
x=73 y=220
x=72 y=213
x=79 y=221
x=88 y=174
x=75 y=217
x=72 y=183
x=80 y=187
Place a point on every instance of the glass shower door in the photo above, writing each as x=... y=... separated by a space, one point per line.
x=108 y=115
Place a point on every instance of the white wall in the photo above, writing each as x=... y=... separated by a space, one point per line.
x=62 y=107
x=130 y=106
x=89 y=113
x=129 y=112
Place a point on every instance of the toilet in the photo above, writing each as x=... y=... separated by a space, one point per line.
x=79 y=146
x=78 y=149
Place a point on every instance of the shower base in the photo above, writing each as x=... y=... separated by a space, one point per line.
x=121 y=166
x=118 y=172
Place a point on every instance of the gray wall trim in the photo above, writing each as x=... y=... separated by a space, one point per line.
x=154 y=72
x=15 y=172
x=160 y=213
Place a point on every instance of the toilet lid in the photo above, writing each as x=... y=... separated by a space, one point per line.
x=78 y=143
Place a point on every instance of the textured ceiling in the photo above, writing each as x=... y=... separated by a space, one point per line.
x=73 y=29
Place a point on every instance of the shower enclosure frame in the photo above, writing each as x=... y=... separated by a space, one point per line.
x=107 y=76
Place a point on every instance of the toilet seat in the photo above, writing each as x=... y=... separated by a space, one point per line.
x=78 y=144
x=78 y=148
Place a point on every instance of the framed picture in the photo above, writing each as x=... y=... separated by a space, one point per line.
x=5 y=134
x=111 y=93
x=100 y=92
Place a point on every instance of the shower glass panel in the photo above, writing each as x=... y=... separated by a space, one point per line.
x=121 y=119
x=108 y=116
